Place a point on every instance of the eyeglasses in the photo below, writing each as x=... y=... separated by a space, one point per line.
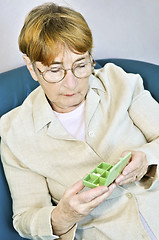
x=57 y=73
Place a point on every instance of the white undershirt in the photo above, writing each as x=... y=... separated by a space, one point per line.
x=74 y=121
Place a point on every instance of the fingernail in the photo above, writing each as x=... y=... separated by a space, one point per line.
x=105 y=189
x=118 y=180
x=112 y=186
x=125 y=173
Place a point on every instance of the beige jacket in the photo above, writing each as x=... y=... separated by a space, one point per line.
x=41 y=160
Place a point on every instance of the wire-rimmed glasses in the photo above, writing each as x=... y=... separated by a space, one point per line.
x=57 y=72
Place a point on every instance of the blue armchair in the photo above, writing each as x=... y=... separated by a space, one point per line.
x=15 y=85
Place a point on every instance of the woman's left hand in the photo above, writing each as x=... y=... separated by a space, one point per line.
x=135 y=170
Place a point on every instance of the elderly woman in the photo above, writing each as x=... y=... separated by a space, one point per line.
x=77 y=118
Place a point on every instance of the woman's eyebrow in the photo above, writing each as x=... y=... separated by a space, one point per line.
x=79 y=59
x=56 y=63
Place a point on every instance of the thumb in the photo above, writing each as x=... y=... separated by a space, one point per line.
x=76 y=188
x=124 y=154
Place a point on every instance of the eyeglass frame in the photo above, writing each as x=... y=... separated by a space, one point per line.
x=92 y=61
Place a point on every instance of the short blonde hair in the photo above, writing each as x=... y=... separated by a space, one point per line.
x=49 y=28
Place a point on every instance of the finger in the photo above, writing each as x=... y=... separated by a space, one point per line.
x=137 y=173
x=126 y=178
x=99 y=199
x=74 y=189
x=91 y=194
x=131 y=167
x=124 y=154
x=129 y=178
x=138 y=162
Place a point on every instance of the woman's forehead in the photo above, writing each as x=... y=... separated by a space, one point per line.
x=69 y=56
x=66 y=57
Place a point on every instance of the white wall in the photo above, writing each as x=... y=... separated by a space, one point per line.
x=121 y=28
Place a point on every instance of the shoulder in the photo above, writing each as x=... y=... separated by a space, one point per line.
x=114 y=77
x=116 y=73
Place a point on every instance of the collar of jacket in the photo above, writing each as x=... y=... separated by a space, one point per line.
x=43 y=114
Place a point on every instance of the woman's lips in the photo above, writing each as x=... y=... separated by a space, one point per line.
x=69 y=95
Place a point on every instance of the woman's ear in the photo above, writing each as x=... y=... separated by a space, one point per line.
x=30 y=67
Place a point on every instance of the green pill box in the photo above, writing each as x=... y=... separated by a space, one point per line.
x=105 y=174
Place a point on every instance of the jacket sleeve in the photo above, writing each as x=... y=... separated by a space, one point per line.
x=144 y=112
x=32 y=205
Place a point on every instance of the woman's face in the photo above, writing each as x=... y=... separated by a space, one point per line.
x=68 y=94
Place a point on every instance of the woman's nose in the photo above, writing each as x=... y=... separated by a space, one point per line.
x=70 y=81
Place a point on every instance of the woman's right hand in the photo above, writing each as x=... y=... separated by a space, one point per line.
x=75 y=205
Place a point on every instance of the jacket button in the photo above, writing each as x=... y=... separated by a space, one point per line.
x=91 y=134
x=129 y=195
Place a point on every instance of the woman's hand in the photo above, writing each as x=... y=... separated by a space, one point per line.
x=135 y=170
x=75 y=205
